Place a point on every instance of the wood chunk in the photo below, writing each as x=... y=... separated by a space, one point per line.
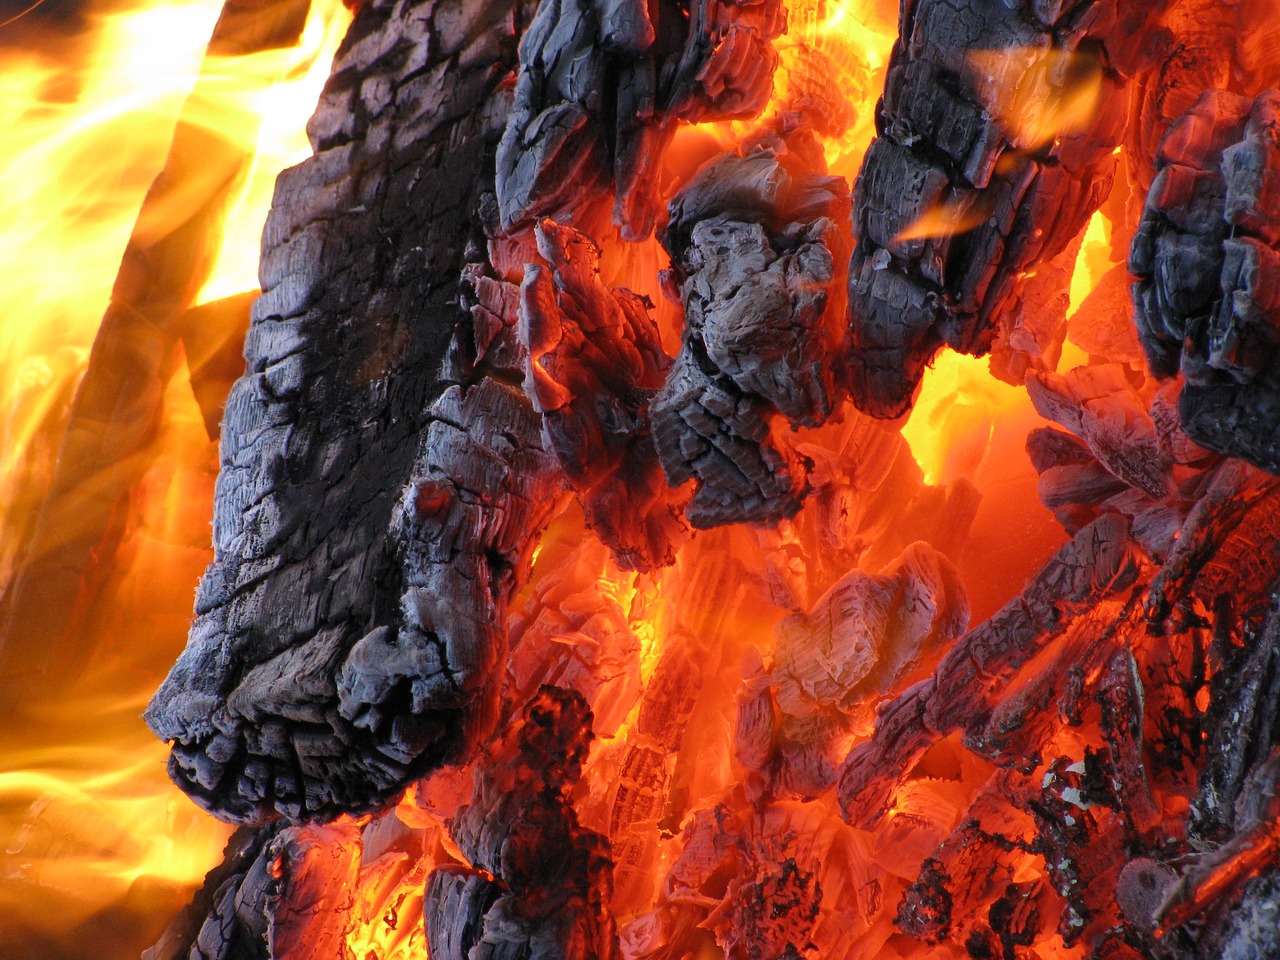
x=1241 y=721
x=978 y=175
x=1100 y=406
x=756 y=241
x=594 y=364
x=541 y=882
x=1206 y=261
x=1099 y=562
x=601 y=87
x=349 y=693
x=832 y=663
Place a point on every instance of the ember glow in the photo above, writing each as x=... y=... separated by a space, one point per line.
x=726 y=667
x=96 y=842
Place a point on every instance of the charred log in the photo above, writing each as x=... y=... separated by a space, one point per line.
x=960 y=195
x=1205 y=257
x=322 y=433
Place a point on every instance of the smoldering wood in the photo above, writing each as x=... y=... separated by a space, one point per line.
x=856 y=644
x=116 y=412
x=951 y=149
x=1205 y=258
x=226 y=919
x=539 y=883
x=757 y=244
x=594 y=364
x=303 y=699
x=602 y=85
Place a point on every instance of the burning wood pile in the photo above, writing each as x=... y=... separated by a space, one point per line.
x=577 y=593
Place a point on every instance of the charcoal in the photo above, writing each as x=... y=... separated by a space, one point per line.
x=317 y=678
x=963 y=194
x=595 y=363
x=601 y=87
x=1205 y=258
x=757 y=244
x=539 y=883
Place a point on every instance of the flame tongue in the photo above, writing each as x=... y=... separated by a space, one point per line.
x=95 y=838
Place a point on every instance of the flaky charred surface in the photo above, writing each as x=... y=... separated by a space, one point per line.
x=603 y=84
x=227 y=919
x=538 y=883
x=361 y=257
x=859 y=641
x=594 y=364
x=1206 y=260
x=757 y=244
x=959 y=195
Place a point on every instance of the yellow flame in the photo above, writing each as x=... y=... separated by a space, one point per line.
x=951 y=425
x=947 y=219
x=1093 y=260
x=88 y=817
x=1038 y=95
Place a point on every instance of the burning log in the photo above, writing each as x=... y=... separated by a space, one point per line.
x=1204 y=256
x=963 y=191
x=603 y=84
x=322 y=434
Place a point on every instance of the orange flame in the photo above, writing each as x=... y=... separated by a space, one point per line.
x=91 y=827
x=1037 y=95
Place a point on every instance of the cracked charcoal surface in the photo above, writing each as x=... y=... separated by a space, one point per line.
x=1206 y=260
x=959 y=196
x=304 y=689
x=603 y=84
x=756 y=240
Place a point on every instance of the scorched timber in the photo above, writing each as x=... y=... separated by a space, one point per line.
x=959 y=197
x=361 y=258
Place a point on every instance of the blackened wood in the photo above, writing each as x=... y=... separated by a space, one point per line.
x=1242 y=719
x=594 y=363
x=226 y=920
x=539 y=882
x=757 y=241
x=1206 y=260
x=295 y=694
x=603 y=84
x=959 y=196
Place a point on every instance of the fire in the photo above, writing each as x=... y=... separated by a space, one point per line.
x=89 y=820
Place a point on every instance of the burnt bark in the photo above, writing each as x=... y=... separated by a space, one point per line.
x=277 y=706
x=960 y=194
x=1206 y=261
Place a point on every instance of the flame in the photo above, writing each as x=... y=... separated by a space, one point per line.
x=948 y=219
x=1038 y=95
x=953 y=420
x=91 y=827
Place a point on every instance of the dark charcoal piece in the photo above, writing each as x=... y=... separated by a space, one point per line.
x=278 y=706
x=1243 y=722
x=980 y=172
x=594 y=362
x=603 y=84
x=540 y=882
x=1206 y=301
x=227 y=920
x=757 y=241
